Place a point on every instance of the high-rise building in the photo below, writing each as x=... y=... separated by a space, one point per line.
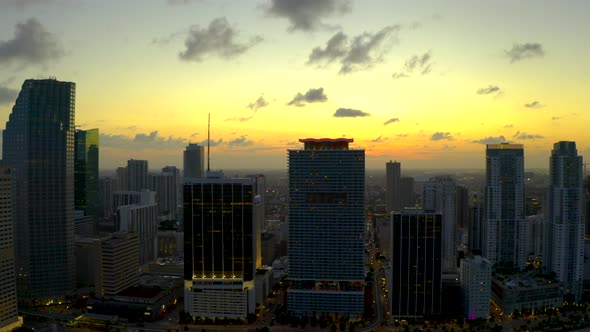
x=219 y=249
x=392 y=185
x=476 y=287
x=166 y=189
x=8 y=308
x=137 y=174
x=440 y=195
x=564 y=231
x=416 y=283
x=38 y=146
x=506 y=227
x=194 y=161
x=476 y=225
x=326 y=228
x=119 y=264
x=107 y=186
x=141 y=218
x=407 y=196
x=122 y=175
x=86 y=173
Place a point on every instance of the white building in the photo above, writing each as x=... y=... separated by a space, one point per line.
x=166 y=189
x=141 y=219
x=535 y=235
x=475 y=275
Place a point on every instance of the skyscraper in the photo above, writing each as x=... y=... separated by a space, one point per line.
x=86 y=172
x=38 y=145
x=506 y=228
x=137 y=174
x=392 y=186
x=416 y=284
x=564 y=227
x=476 y=287
x=194 y=161
x=8 y=309
x=219 y=249
x=326 y=228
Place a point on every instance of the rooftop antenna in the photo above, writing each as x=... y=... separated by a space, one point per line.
x=208 y=141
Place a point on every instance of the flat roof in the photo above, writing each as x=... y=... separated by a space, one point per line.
x=505 y=146
x=319 y=140
x=140 y=292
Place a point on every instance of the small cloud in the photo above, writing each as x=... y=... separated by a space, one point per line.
x=525 y=51
x=239 y=119
x=392 y=120
x=491 y=89
x=535 y=104
x=401 y=135
x=240 y=141
x=491 y=140
x=219 y=38
x=398 y=75
x=258 y=104
x=349 y=113
x=306 y=15
x=211 y=143
x=441 y=136
x=417 y=63
x=7 y=95
x=142 y=141
x=508 y=126
x=32 y=44
x=311 y=96
x=379 y=139
x=555 y=118
x=525 y=136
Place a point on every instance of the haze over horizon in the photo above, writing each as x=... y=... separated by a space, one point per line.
x=426 y=83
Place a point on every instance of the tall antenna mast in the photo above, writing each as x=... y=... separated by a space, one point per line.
x=208 y=141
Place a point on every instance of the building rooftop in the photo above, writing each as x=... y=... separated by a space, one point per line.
x=326 y=143
x=140 y=292
x=505 y=146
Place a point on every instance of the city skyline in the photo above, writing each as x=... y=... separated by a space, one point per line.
x=411 y=82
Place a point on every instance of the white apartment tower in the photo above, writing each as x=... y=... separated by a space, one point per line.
x=475 y=275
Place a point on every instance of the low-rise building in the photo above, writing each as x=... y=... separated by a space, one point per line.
x=525 y=291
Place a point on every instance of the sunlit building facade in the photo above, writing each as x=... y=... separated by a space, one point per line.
x=86 y=189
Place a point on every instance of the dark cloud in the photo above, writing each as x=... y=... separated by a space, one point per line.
x=439 y=135
x=7 y=95
x=534 y=104
x=306 y=15
x=142 y=141
x=379 y=139
x=491 y=89
x=358 y=53
x=525 y=51
x=525 y=136
x=219 y=39
x=32 y=44
x=258 y=104
x=311 y=96
x=239 y=119
x=491 y=140
x=349 y=113
x=240 y=141
x=392 y=120
x=416 y=64
x=212 y=143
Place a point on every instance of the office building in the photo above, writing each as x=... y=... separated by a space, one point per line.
x=38 y=146
x=392 y=186
x=137 y=175
x=122 y=176
x=194 y=161
x=476 y=287
x=326 y=228
x=564 y=227
x=219 y=249
x=141 y=218
x=535 y=236
x=416 y=283
x=506 y=228
x=107 y=186
x=440 y=195
x=166 y=189
x=120 y=266
x=8 y=309
x=89 y=265
x=86 y=191
x=476 y=225
x=525 y=291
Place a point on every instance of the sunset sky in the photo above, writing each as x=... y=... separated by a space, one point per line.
x=427 y=83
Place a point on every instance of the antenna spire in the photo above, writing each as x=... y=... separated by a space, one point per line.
x=208 y=141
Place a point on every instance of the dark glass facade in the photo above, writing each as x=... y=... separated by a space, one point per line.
x=417 y=264
x=86 y=154
x=38 y=145
x=218 y=229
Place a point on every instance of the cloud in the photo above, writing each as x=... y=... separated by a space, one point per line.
x=555 y=118
x=31 y=44
x=417 y=63
x=349 y=113
x=311 y=96
x=525 y=136
x=240 y=141
x=306 y=15
x=508 y=126
x=402 y=135
x=22 y=4
x=379 y=139
x=535 y=104
x=142 y=141
x=525 y=51
x=358 y=53
x=491 y=140
x=392 y=120
x=489 y=90
x=7 y=95
x=239 y=119
x=439 y=135
x=211 y=143
x=219 y=38
x=258 y=104
x=181 y=2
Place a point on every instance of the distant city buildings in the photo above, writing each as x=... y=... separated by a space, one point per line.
x=137 y=175
x=86 y=189
x=326 y=228
x=38 y=146
x=399 y=190
x=506 y=228
x=194 y=161
x=564 y=231
x=416 y=283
